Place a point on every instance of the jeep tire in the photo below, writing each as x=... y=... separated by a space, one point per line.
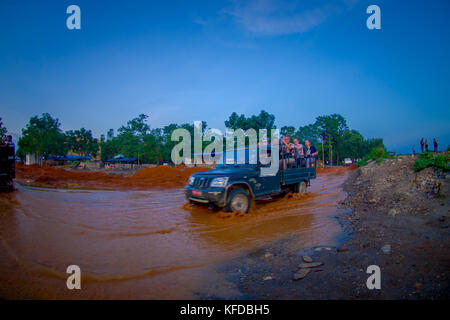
x=238 y=200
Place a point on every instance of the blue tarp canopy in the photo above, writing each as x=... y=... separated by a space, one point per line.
x=68 y=157
x=121 y=160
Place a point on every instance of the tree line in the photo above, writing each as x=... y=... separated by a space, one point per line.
x=43 y=136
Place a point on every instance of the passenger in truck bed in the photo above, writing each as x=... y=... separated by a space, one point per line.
x=310 y=153
x=287 y=153
x=299 y=154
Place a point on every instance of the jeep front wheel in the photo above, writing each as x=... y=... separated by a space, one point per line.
x=238 y=200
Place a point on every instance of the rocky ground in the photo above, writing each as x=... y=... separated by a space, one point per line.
x=394 y=218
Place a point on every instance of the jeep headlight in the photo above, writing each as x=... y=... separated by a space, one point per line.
x=191 y=180
x=219 y=182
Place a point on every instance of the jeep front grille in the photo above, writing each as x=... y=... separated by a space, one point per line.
x=201 y=182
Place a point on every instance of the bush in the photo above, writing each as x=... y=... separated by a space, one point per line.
x=426 y=156
x=376 y=154
x=362 y=163
x=441 y=162
x=426 y=160
x=421 y=164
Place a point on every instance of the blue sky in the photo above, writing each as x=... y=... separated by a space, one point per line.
x=180 y=61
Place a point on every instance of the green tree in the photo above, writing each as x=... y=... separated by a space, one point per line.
x=309 y=132
x=131 y=137
x=82 y=142
x=353 y=145
x=3 y=129
x=374 y=143
x=153 y=152
x=154 y=146
x=110 y=134
x=136 y=126
x=264 y=120
x=42 y=136
x=109 y=149
x=332 y=127
x=288 y=131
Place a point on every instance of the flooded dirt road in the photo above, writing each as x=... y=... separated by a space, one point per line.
x=144 y=244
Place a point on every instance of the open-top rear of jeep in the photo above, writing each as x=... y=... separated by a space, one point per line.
x=233 y=186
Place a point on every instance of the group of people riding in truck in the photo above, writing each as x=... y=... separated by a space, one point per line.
x=295 y=154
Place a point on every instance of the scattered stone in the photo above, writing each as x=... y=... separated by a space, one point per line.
x=307 y=259
x=372 y=201
x=386 y=248
x=267 y=255
x=393 y=212
x=341 y=249
x=322 y=248
x=267 y=278
x=302 y=273
x=310 y=265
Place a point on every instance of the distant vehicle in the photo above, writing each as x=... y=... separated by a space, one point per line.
x=348 y=162
x=233 y=186
x=7 y=167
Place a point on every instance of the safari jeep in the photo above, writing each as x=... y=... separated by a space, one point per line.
x=233 y=186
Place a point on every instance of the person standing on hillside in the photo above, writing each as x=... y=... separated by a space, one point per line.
x=426 y=145
x=421 y=145
x=414 y=150
x=435 y=143
x=9 y=141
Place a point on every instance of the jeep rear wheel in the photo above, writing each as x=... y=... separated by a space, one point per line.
x=238 y=200
x=302 y=188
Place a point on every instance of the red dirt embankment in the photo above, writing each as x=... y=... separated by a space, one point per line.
x=156 y=177
x=336 y=169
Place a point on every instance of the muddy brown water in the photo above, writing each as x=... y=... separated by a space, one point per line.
x=144 y=244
